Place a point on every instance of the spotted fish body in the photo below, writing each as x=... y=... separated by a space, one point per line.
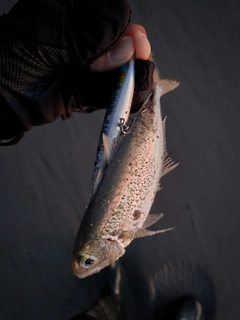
x=119 y=211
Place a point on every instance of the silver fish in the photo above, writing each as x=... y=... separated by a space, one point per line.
x=119 y=210
x=115 y=120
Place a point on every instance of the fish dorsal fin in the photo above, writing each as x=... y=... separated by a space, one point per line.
x=140 y=233
x=167 y=85
x=168 y=165
x=151 y=219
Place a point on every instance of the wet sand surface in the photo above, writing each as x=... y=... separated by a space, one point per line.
x=46 y=177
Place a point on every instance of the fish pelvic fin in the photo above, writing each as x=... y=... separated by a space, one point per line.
x=140 y=233
x=151 y=219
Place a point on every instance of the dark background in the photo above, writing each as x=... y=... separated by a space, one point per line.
x=45 y=181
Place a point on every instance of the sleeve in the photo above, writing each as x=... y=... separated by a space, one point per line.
x=46 y=47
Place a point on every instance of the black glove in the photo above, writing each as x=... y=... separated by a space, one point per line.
x=46 y=47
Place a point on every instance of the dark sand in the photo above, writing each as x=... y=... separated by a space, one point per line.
x=45 y=181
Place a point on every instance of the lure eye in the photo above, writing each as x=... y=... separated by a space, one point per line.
x=86 y=261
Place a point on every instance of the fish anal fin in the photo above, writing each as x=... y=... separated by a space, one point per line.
x=151 y=219
x=168 y=165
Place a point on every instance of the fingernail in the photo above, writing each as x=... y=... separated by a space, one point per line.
x=142 y=35
x=142 y=46
x=123 y=51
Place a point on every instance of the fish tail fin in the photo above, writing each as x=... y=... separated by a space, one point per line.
x=167 y=85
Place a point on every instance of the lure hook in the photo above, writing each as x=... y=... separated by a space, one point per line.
x=124 y=128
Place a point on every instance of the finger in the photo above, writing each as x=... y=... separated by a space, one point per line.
x=134 y=41
x=141 y=44
x=115 y=58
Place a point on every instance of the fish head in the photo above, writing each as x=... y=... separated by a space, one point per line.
x=95 y=255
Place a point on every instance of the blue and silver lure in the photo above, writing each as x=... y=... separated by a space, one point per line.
x=115 y=121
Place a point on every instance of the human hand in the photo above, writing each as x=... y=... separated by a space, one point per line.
x=134 y=42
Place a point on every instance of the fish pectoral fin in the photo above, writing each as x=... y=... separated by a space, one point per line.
x=140 y=233
x=151 y=219
x=168 y=165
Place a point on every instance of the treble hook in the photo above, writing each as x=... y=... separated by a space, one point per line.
x=124 y=128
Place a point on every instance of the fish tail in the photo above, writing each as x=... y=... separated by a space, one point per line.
x=165 y=85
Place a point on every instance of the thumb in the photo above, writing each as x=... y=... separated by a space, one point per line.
x=115 y=58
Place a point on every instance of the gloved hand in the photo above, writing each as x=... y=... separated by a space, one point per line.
x=61 y=56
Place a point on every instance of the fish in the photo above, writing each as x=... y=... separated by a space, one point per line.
x=119 y=210
x=115 y=120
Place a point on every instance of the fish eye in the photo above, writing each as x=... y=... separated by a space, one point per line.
x=85 y=261
x=89 y=261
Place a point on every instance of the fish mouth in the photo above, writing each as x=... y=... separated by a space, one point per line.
x=75 y=267
x=81 y=273
x=77 y=270
x=84 y=263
